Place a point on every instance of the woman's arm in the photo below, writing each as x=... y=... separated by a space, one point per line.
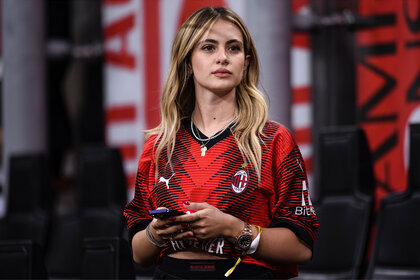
x=145 y=252
x=277 y=245
x=281 y=245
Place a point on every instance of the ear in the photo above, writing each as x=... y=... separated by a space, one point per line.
x=190 y=69
x=246 y=63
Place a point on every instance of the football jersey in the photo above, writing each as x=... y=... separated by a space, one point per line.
x=222 y=178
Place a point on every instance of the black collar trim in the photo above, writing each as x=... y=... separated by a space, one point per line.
x=212 y=142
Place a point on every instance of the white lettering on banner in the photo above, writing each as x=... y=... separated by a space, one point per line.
x=123 y=94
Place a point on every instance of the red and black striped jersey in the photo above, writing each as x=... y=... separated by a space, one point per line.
x=223 y=179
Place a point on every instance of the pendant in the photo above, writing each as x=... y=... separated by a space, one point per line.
x=203 y=150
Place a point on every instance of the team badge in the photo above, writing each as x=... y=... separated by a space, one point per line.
x=239 y=181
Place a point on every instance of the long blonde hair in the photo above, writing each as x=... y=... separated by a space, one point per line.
x=178 y=96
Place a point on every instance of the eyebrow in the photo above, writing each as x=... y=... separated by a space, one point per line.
x=216 y=42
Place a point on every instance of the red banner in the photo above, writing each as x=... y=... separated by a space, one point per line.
x=388 y=76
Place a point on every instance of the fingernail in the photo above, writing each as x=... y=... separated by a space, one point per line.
x=172 y=219
x=186 y=202
x=190 y=234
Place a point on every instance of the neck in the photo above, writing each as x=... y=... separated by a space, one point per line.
x=212 y=113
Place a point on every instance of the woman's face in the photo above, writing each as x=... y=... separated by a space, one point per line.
x=218 y=59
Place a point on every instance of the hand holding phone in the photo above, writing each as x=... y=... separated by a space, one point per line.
x=165 y=213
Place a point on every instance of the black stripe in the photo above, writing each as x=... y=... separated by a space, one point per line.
x=299 y=231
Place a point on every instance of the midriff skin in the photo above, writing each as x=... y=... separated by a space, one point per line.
x=196 y=254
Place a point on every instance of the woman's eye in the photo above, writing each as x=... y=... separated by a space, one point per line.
x=208 y=48
x=234 y=48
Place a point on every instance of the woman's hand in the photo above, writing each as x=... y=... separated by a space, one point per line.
x=209 y=222
x=164 y=230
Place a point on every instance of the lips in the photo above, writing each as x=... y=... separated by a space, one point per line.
x=222 y=72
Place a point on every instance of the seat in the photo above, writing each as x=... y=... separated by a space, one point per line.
x=107 y=258
x=101 y=179
x=101 y=196
x=396 y=253
x=21 y=259
x=344 y=205
x=28 y=213
x=102 y=191
x=63 y=256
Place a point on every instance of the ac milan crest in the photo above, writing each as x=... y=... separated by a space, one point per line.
x=239 y=181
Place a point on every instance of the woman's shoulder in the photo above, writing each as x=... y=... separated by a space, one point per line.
x=278 y=137
x=274 y=128
x=150 y=140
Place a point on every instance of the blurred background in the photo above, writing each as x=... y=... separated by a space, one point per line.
x=81 y=80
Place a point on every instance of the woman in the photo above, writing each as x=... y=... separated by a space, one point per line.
x=239 y=177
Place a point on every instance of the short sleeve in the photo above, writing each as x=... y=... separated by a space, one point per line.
x=136 y=211
x=293 y=207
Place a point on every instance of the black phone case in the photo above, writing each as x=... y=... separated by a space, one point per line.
x=165 y=213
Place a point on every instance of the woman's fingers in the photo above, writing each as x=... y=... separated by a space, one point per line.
x=174 y=232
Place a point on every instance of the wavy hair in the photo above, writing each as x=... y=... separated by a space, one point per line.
x=178 y=96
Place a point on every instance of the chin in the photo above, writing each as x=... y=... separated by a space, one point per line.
x=222 y=89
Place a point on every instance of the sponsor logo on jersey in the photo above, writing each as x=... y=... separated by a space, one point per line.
x=306 y=209
x=166 y=181
x=239 y=181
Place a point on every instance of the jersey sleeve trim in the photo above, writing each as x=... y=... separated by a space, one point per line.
x=300 y=232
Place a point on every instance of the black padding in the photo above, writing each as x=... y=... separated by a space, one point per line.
x=101 y=179
x=21 y=259
x=101 y=196
x=345 y=163
x=344 y=207
x=107 y=258
x=396 y=253
x=29 y=188
x=28 y=213
x=414 y=156
x=63 y=258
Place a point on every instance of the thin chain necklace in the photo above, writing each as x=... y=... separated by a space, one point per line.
x=203 y=145
x=207 y=140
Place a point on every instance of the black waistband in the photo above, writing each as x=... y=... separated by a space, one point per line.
x=171 y=268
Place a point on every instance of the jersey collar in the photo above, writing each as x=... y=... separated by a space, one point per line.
x=212 y=142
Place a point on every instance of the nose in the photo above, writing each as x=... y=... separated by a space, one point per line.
x=222 y=57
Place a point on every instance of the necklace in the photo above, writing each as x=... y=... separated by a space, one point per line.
x=203 y=145
x=207 y=140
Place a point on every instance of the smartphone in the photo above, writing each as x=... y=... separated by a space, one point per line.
x=165 y=213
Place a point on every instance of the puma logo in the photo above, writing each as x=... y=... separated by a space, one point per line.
x=166 y=181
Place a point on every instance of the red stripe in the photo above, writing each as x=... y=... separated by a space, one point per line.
x=151 y=62
x=120 y=114
x=128 y=151
x=303 y=136
x=190 y=6
x=301 y=95
x=120 y=28
x=299 y=4
x=301 y=39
